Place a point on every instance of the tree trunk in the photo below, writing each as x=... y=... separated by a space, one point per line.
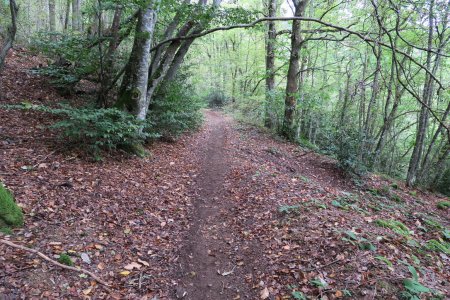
x=66 y=20
x=11 y=35
x=270 y=65
x=416 y=156
x=76 y=16
x=133 y=92
x=292 y=84
x=51 y=15
x=106 y=74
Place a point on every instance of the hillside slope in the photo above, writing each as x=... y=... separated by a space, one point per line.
x=229 y=212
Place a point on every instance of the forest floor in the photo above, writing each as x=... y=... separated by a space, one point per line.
x=228 y=212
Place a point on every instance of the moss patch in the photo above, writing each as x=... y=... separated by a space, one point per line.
x=65 y=259
x=10 y=214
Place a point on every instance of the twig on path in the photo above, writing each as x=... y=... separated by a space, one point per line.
x=95 y=277
x=44 y=159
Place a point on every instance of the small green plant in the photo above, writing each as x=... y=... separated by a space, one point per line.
x=363 y=243
x=65 y=259
x=396 y=198
x=446 y=234
x=412 y=286
x=433 y=224
x=10 y=213
x=296 y=294
x=287 y=209
x=321 y=205
x=319 y=282
x=385 y=260
x=394 y=225
x=443 y=204
x=438 y=246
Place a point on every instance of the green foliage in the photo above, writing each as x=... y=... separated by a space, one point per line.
x=385 y=260
x=443 y=205
x=362 y=243
x=438 y=246
x=217 y=99
x=10 y=212
x=287 y=209
x=74 y=54
x=100 y=129
x=175 y=111
x=65 y=259
x=319 y=282
x=296 y=294
x=96 y=129
x=394 y=225
x=446 y=234
x=433 y=224
x=412 y=286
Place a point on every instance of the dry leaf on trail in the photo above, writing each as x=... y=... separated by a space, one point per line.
x=264 y=293
x=143 y=262
x=132 y=266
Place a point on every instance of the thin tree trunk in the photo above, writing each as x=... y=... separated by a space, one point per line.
x=11 y=35
x=416 y=156
x=106 y=76
x=76 y=16
x=270 y=65
x=290 y=102
x=51 y=15
x=66 y=20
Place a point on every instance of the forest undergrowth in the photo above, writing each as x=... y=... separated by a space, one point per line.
x=288 y=224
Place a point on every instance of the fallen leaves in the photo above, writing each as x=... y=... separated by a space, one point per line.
x=132 y=266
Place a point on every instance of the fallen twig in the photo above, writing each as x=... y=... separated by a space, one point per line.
x=95 y=277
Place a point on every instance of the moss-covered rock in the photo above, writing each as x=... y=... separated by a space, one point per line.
x=10 y=214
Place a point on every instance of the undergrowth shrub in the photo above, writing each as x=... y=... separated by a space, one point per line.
x=94 y=130
x=101 y=129
x=10 y=213
x=174 y=111
x=217 y=99
x=73 y=56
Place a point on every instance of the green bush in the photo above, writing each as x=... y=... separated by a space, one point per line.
x=174 y=111
x=10 y=213
x=73 y=54
x=100 y=129
x=217 y=99
x=94 y=130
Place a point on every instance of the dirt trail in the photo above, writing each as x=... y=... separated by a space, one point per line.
x=205 y=252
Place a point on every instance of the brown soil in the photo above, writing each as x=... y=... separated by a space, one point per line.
x=208 y=268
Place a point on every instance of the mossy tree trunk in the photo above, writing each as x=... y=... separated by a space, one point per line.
x=133 y=91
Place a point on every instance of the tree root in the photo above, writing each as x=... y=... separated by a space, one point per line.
x=80 y=270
